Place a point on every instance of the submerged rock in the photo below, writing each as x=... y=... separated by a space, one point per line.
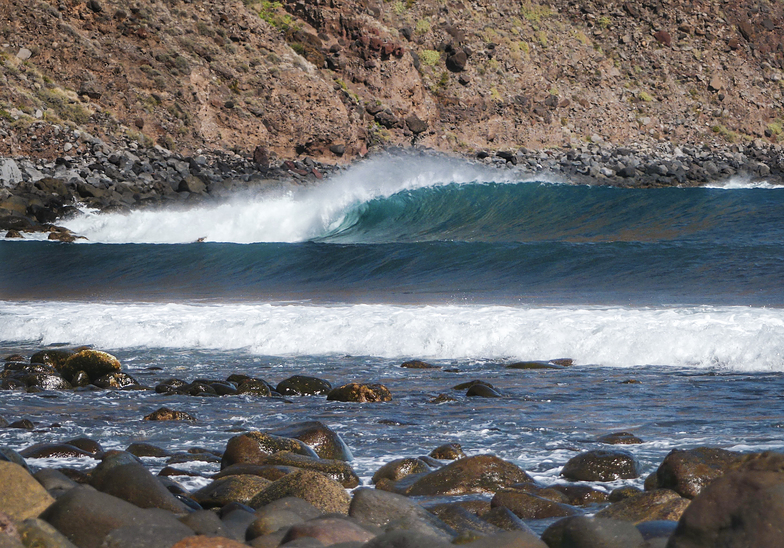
x=300 y=385
x=166 y=414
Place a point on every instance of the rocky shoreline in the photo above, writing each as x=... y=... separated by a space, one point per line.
x=295 y=486
x=36 y=194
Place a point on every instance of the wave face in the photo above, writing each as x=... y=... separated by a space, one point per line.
x=736 y=338
x=427 y=199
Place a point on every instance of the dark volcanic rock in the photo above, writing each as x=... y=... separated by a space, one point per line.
x=166 y=414
x=362 y=393
x=688 y=472
x=601 y=465
x=300 y=385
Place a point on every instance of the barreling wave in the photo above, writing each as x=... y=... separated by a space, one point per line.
x=425 y=199
x=734 y=338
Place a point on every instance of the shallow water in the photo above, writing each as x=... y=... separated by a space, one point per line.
x=677 y=289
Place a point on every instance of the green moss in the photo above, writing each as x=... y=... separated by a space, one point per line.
x=399 y=8
x=272 y=13
x=644 y=96
x=63 y=106
x=775 y=128
x=603 y=21
x=729 y=136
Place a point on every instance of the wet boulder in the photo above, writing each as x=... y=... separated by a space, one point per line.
x=86 y=516
x=54 y=450
x=269 y=521
x=601 y=465
x=482 y=391
x=300 y=385
x=39 y=534
x=418 y=364
x=254 y=447
x=399 y=468
x=586 y=532
x=325 y=494
x=505 y=519
x=240 y=488
x=93 y=362
x=745 y=507
x=254 y=387
x=688 y=472
x=656 y=505
x=324 y=441
x=391 y=512
x=21 y=496
x=619 y=438
x=337 y=470
x=147 y=450
x=477 y=474
x=580 y=495
x=55 y=357
x=46 y=381
x=117 y=381
x=448 y=451
x=463 y=521
x=328 y=531
x=361 y=393
x=166 y=414
x=170 y=386
x=509 y=539
x=135 y=484
x=270 y=472
x=55 y=482
x=530 y=506
x=86 y=444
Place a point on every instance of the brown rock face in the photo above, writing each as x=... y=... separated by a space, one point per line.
x=688 y=472
x=478 y=474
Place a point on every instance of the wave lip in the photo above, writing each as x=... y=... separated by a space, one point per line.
x=732 y=338
x=291 y=214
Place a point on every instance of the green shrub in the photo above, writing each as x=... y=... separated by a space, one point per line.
x=429 y=57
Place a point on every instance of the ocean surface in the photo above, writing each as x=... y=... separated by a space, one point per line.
x=670 y=302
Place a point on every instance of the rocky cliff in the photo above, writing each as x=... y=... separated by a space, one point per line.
x=330 y=79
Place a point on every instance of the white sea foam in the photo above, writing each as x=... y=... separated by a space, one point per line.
x=291 y=215
x=735 y=338
x=743 y=183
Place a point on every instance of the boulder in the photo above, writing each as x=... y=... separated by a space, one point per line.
x=585 y=532
x=619 y=438
x=135 y=484
x=21 y=496
x=254 y=447
x=456 y=62
x=325 y=494
x=193 y=184
x=39 y=534
x=477 y=474
x=362 y=393
x=400 y=468
x=328 y=530
x=93 y=362
x=337 y=470
x=407 y=539
x=580 y=495
x=166 y=414
x=448 y=451
x=268 y=471
x=389 y=512
x=300 y=385
x=146 y=535
x=482 y=391
x=116 y=381
x=505 y=519
x=85 y=516
x=324 y=441
x=54 y=450
x=601 y=465
x=417 y=364
x=660 y=504
x=463 y=521
x=688 y=472
x=416 y=126
x=147 y=450
x=270 y=521
x=208 y=542
x=529 y=506
x=46 y=381
x=745 y=507
x=240 y=488
x=509 y=539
